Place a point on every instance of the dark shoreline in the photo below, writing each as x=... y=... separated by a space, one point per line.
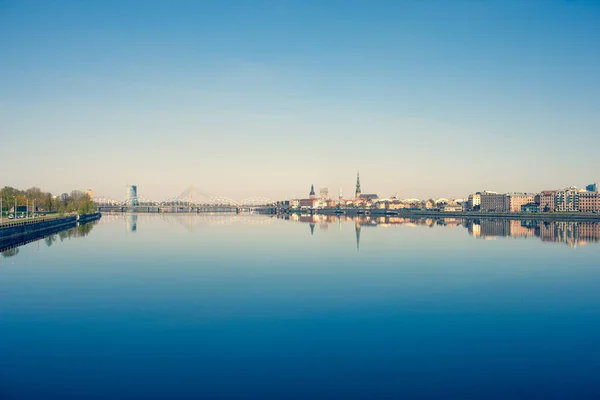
x=28 y=231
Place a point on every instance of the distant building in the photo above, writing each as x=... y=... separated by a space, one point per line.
x=474 y=201
x=517 y=200
x=567 y=200
x=451 y=208
x=311 y=202
x=308 y=203
x=548 y=201
x=389 y=204
x=369 y=197
x=493 y=202
x=588 y=201
x=90 y=193
x=324 y=193
x=593 y=187
x=131 y=198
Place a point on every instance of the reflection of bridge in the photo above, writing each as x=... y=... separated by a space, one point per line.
x=189 y=221
x=191 y=200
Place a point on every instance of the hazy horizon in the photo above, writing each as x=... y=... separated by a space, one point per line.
x=265 y=98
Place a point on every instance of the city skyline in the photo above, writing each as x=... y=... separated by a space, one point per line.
x=265 y=98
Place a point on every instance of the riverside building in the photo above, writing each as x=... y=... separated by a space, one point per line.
x=567 y=200
x=588 y=202
x=493 y=202
x=548 y=201
x=517 y=200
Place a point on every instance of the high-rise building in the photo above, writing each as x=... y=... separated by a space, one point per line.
x=131 y=198
x=593 y=187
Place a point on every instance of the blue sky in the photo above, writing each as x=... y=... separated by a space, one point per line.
x=427 y=98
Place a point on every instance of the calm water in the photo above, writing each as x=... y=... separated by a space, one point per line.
x=257 y=307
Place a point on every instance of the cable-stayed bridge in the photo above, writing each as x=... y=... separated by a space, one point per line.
x=192 y=199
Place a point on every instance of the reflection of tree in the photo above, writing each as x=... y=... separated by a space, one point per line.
x=63 y=235
x=10 y=252
x=50 y=240
x=83 y=230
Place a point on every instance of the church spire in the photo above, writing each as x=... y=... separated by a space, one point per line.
x=312 y=192
x=357 y=193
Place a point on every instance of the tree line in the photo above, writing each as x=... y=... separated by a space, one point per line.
x=76 y=201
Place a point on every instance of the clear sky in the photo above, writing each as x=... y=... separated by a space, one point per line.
x=429 y=98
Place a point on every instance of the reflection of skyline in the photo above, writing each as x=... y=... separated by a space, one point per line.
x=573 y=233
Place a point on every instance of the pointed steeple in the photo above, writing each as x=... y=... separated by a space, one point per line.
x=312 y=194
x=357 y=193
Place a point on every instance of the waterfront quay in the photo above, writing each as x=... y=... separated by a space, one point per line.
x=20 y=232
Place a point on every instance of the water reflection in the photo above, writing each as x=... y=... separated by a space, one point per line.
x=10 y=247
x=575 y=233
x=131 y=220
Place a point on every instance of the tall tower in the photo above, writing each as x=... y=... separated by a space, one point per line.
x=357 y=193
x=312 y=194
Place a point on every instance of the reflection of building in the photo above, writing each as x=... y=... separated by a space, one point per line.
x=520 y=229
x=588 y=231
x=558 y=231
x=131 y=220
x=571 y=233
x=494 y=227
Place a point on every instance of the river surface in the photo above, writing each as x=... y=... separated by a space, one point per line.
x=180 y=306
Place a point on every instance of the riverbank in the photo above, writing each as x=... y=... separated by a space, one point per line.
x=16 y=229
